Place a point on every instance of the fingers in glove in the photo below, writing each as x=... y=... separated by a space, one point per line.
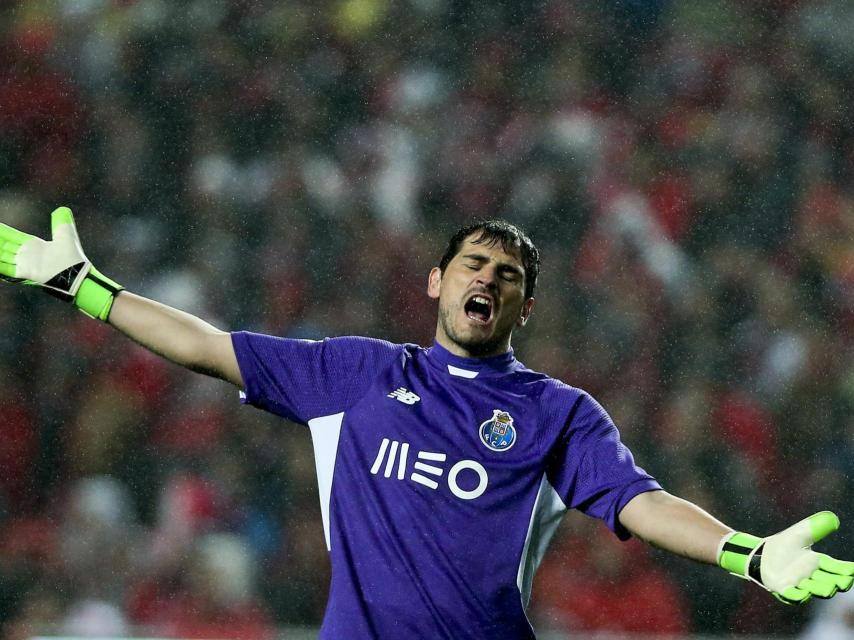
x=10 y=242
x=9 y=246
x=8 y=268
x=842 y=583
x=832 y=565
x=820 y=584
x=10 y=234
x=793 y=595
x=59 y=217
x=823 y=524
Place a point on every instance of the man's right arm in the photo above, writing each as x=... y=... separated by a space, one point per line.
x=177 y=336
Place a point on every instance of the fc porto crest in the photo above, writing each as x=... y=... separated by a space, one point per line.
x=498 y=433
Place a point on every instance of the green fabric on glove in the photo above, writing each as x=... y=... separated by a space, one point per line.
x=96 y=294
x=736 y=551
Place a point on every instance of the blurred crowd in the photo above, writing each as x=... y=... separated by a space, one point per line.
x=295 y=167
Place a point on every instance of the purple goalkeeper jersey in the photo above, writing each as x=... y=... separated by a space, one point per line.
x=441 y=478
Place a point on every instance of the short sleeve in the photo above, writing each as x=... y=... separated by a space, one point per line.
x=305 y=379
x=591 y=469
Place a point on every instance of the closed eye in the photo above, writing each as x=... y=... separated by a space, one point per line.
x=511 y=275
x=507 y=272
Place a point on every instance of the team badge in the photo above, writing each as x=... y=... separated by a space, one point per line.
x=498 y=433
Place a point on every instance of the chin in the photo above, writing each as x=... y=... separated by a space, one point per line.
x=476 y=341
x=478 y=346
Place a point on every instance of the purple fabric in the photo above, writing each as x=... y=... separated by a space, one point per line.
x=428 y=544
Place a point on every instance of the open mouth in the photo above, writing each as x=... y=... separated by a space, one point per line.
x=479 y=309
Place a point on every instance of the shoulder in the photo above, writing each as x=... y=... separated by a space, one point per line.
x=363 y=350
x=347 y=350
x=363 y=343
x=556 y=399
x=548 y=388
x=562 y=404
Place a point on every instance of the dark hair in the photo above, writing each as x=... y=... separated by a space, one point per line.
x=512 y=239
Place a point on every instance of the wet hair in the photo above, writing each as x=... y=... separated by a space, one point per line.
x=512 y=239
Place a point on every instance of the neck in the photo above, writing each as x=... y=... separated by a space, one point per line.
x=485 y=350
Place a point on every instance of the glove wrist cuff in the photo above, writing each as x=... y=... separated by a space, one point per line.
x=96 y=294
x=735 y=552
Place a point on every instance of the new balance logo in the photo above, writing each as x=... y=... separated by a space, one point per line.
x=393 y=459
x=404 y=395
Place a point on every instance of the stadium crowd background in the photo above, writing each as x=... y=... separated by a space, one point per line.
x=295 y=168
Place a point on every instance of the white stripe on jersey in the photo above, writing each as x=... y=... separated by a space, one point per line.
x=462 y=373
x=545 y=517
x=325 y=432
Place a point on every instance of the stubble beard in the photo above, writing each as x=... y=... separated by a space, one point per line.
x=476 y=347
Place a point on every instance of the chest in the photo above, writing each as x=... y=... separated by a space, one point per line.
x=465 y=438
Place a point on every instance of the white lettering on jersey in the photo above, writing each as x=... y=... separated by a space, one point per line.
x=388 y=453
x=404 y=395
x=481 y=474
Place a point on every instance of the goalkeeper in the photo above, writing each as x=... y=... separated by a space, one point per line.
x=443 y=472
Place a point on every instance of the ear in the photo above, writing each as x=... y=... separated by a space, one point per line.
x=527 y=308
x=434 y=282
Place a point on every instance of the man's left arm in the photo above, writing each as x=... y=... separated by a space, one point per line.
x=783 y=564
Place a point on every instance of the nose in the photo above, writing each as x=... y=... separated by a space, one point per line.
x=488 y=277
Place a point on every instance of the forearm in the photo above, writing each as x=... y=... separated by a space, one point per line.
x=176 y=335
x=675 y=525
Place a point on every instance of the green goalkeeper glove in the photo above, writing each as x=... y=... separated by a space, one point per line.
x=59 y=266
x=785 y=564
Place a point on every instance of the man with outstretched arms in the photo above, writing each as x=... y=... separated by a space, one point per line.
x=443 y=472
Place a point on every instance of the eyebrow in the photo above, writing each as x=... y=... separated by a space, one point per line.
x=505 y=266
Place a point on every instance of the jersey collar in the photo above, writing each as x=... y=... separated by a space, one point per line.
x=471 y=367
